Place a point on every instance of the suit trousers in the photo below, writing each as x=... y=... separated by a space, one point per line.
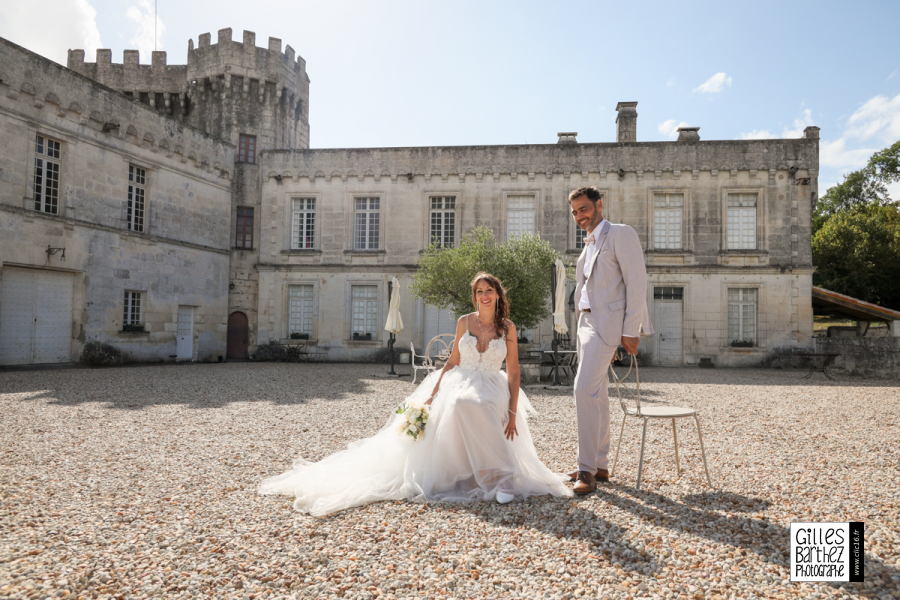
x=592 y=395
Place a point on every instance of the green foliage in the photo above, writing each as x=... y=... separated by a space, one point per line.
x=857 y=252
x=868 y=186
x=98 y=354
x=522 y=264
x=276 y=352
x=856 y=233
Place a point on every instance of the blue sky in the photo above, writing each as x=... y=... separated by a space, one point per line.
x=410 y=73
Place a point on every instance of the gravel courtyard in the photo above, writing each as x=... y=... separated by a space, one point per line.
x=141 y=483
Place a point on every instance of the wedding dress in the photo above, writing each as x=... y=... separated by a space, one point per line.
x=463 y=455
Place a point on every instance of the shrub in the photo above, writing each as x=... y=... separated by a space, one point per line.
x=98 y=354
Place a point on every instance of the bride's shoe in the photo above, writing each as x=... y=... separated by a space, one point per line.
x=505 y=497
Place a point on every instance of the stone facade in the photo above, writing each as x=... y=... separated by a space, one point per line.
x=306 y=240
x=484 y=180
x=176 y=255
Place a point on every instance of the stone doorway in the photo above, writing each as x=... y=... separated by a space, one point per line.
x=238 y=336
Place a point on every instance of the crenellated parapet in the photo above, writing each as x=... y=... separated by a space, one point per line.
x=46 y=92
x=221 y=82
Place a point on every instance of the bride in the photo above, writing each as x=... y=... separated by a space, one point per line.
x=476 y=444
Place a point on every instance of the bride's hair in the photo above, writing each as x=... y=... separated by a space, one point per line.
x=501 y=314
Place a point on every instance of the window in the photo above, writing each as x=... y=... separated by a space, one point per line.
x=300 y=311
x=443 y=221
x=519 y=216
x=303 y=223
x=246 y=148
x=134 y=214
x=243 y=229
x=363 y=311
x=133 y=314
x=46 y=174
x=667 y=217
x=366 y=215
x=579 y=237
x=741 y=225
x=742 y=316
x=668 y=293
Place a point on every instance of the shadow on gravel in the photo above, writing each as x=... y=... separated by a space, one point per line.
x=197 y=386
x=698 y=516
x=606 y=538
x=754 y=376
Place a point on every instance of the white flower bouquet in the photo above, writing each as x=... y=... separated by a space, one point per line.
x=414 y=419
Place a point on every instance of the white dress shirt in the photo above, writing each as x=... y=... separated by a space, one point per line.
x=591 y=247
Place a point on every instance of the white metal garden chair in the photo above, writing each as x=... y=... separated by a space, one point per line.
x=646 y=413
x=425 y=362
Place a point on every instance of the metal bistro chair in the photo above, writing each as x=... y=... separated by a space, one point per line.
x=651 y=412
x=425 y=362
x=439 y=348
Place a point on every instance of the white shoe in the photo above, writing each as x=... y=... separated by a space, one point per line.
x=505 y=497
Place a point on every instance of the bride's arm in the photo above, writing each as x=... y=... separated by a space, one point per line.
x=454 y=356
x=512 y=373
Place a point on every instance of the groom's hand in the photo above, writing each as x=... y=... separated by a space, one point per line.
x=630 y=344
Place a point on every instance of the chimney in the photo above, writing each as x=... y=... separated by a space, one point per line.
x=626 y=122
x=811 y=132
x=688 y=134
x=567 y=137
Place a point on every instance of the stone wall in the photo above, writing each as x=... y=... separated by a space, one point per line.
x=782 y=172
x=180 y=258
x=864 y=356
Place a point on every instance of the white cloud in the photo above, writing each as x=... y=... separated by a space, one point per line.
x=714 y=84
x=837 y=155
x=877 y=120
x=757 y=134
x=142 y=14
x=794 y=130
x=874 y=125
x=51 y=31
x=670 y=128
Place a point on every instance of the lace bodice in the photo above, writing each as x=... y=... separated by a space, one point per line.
x=489 y=360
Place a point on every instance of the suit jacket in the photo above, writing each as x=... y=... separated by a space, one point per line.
x=617 y=286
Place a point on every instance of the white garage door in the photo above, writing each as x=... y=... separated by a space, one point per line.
x=35 y=316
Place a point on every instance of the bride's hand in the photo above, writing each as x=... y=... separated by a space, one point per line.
x=510 y=430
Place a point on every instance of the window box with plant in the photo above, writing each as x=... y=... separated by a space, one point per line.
x=362 y=337
x=133 y=328
x=296 y=335
x=741 y=343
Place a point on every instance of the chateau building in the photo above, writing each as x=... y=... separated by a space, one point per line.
x=177 y=212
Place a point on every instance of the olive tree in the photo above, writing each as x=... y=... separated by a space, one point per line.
x=522 y=264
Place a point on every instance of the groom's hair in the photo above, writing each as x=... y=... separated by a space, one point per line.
x=589 y=192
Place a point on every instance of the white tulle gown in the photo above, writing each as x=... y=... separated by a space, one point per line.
x=463 y=456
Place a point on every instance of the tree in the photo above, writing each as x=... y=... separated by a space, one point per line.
x=522 y=264
x=856 y=233
x=857 y=252
x=861 y=188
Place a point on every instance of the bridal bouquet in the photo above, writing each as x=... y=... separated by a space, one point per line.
x=414 y=419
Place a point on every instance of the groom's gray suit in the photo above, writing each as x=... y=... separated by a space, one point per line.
x=614 y=285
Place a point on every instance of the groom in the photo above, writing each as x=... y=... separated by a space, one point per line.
x=611 y=304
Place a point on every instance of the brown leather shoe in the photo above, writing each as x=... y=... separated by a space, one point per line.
x=600 y=475
x=585 y=483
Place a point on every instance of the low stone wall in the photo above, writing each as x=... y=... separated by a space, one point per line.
x=866 y=356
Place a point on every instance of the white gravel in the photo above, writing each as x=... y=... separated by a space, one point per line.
x=141 y=483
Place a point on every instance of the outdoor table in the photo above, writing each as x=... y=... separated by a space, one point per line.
x=561 y=361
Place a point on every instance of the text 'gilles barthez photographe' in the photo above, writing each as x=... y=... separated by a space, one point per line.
x=827 y=551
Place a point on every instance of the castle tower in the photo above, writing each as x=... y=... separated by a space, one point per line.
x=226 y=89
x=257 y=99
